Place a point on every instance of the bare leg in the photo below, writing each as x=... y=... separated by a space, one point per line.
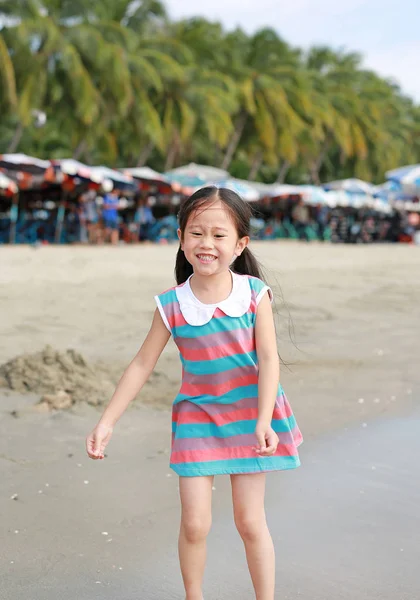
x=248 y=507
x=114 y=236
x=195 y=493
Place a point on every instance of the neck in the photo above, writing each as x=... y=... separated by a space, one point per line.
x=212 y=288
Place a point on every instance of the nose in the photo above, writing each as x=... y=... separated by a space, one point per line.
x=206 y=241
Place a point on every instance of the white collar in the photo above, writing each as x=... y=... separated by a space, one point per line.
x=197 y=313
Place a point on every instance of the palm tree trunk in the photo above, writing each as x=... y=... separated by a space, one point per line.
x=236 y=137
x=283 y=171
x=80 y=148
x=145 y=154
x=170 y=157
x=315 y=165
x=17 y=136
x=255 y=166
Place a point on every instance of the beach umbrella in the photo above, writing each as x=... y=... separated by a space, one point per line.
x=351 y=186
x=205 y=173
x=24 y=163
x=69 y=173
x=407 y=177
x=241 y=187
x=313 y=194
x=27 y=171
x=387 y=190
x=68 y=168
x=119 y=180
x=149 y=176
x=186 y=184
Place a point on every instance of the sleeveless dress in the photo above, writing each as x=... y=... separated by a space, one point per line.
x=215 y=412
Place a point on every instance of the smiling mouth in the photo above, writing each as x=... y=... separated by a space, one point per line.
x=208 y=258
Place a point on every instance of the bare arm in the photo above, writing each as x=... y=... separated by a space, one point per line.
x=130 y=384
x=138 y=371
x=268 y=377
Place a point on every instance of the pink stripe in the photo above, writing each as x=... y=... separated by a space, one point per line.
x=191 y=456
x=243 y=414
x=215 y=408
x=217 y=351
x=217 y=389
x=244 y=439
x=176 y=320
x=215 y=339
x=219 y=378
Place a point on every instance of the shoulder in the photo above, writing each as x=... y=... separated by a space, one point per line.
x=259 y=288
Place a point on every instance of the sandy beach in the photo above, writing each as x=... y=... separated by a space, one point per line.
x=347 y=321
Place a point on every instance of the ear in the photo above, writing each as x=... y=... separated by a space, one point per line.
x=241 y=245
x=179 y=234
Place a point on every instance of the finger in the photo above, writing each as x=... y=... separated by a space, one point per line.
x=89 y=447
x=261 y=440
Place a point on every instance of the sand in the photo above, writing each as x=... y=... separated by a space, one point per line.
x=353 y=361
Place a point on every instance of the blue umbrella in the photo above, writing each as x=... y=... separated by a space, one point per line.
x=407 y=177
x=313 y=194
x=242 y=188
x=351 y=186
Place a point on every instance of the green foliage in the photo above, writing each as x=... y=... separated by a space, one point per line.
x=121 y=84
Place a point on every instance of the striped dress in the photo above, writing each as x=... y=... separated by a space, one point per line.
x=215 y=413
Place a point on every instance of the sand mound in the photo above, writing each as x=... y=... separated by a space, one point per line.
x=62 y=378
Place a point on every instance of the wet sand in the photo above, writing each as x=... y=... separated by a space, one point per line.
x=345 y=524
x=354 y=385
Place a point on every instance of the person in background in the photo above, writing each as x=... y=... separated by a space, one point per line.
x=110 y=216
x=300 y=216
x=321 y=217
x=143 y=218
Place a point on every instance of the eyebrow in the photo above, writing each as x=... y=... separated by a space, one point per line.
x=192 y=226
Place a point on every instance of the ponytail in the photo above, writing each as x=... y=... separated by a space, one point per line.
x=247 y=264
x=183 y=269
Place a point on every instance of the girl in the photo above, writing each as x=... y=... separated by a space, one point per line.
x=231 y=415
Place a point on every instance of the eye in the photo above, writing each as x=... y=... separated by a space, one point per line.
x=195 y=233
x=219 y=236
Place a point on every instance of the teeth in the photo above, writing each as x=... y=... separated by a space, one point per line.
x=206 y=257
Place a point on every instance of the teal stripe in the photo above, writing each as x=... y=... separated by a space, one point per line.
x=245 y=391
x=218 y=365
x=168 y=297
x=256 y=285
x=237 y=465
x=205 y=430
x=215 y=326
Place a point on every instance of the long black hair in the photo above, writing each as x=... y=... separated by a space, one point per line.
x=241 y=212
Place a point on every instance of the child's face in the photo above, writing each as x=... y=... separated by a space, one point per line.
x=210 y=241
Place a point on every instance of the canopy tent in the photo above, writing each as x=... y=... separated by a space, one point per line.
x=407 y=177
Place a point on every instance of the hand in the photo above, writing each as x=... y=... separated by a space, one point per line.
x=267 y=440
x=97 y=441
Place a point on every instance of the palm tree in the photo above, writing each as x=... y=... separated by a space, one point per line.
x=263 y=67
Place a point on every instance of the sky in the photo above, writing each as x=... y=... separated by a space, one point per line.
x=386 y=32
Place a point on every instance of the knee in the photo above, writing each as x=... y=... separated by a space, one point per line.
x=250 y=528
x=196 y=529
